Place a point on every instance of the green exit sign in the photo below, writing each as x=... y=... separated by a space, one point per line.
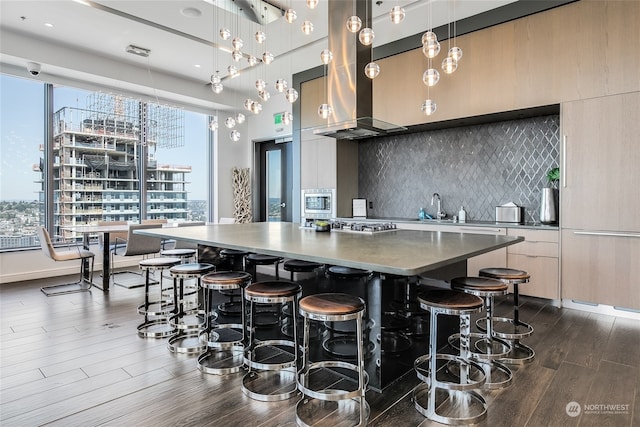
x=277 y=118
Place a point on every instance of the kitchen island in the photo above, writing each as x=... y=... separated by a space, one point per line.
x=397 y=333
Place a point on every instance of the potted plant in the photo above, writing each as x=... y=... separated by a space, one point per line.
x=549 y=201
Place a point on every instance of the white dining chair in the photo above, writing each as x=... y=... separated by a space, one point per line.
x=72 y=254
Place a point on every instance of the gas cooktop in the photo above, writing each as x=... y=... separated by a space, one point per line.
x=362 y=227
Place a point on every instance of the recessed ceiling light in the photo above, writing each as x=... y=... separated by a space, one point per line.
x=197 y=65
x=47 y=24
x=137 y=50
x=191 y=12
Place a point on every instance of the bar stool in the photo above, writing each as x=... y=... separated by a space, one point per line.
x=297 y=266
x=155 y=312
x=341 y=339
x=184 y=254
x=300 y=266
x=272 y=369
x=433 y=398
x=225 y=341
x=186 y=319
x=255 y=260
x=513 y=329
x=488 y=348
x=235 y=260
x=332 y=307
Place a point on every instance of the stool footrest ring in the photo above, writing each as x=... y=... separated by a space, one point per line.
x=330 y=394
x=472 y=411
x=221 y=362
x=506 y=328
x=475 y=380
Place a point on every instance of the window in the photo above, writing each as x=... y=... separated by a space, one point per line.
x=22 y=130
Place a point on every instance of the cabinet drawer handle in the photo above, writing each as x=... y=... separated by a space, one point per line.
x=609 y=234
x=487 y=230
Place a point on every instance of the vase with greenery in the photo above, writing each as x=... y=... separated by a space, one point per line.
x=549 y=201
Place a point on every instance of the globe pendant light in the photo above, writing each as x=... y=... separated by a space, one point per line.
x=431 y=49
x=267 y=57
x=287 y=118
x=366 y=36
x=290 y=15
x=225 y=33
x=264 y=95
x=260 y=36
x=260 y=84
x=431 y=77
x=429 y=36
x=256 y=107
x=291 y=95
x=240 y=118
x=326 y=56
x=230 y=122
x=372 y=70
x=252 y=60
x=217 y=88
x=307 y=27
x=215 y=78
x=234 y=135
x=325 y=110
x=449 y=65
x=281 y=85
x=397 y=14
x=232 y=70
x=455 y=53
x=428 y=107
x=312 y=4
x=213 y=125
x=236 y=55
x=237 y=43
x=247 y=104
x=354 y=24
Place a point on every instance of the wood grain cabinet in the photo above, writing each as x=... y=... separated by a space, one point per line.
x=538 y=256
x=600 y=200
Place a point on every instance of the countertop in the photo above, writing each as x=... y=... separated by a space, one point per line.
x=472 y=223
x=402 y=252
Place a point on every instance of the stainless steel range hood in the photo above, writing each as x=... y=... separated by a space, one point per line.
x=349 y=91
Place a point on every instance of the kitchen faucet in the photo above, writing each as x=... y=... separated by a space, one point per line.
x=439 y=213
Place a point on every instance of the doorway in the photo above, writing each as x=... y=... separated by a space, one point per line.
x=275 y=168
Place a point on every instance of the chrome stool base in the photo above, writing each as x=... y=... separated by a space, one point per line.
x=282 y=383
x=337 y=412
x=156 y=328
x=222 y=361
x=452 y=407
x=186 y=343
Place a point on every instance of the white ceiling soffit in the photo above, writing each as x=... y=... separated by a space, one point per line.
x=87 y=43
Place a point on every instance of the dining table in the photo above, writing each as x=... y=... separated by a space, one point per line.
x=396 y=258
x=105 y=230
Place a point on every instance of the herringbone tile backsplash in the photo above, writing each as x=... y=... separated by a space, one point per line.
x=478 y=167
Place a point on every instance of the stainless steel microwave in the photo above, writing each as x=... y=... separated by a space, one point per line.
x=319 y=203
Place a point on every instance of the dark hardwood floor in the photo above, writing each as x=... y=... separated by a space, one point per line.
x=75 y=360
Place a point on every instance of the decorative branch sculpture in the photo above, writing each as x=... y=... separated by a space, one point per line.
x=242 y=195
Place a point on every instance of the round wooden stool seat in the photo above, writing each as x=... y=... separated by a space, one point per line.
x=341 y=272
x=233 y=252
x=262 y=259
x=185 y=253
x=479 y=285
x=196 y=268
x=509 y=274
x=274 y=289
x=300 y=266
x=450 y=301
x=159 y=262
x=221 y=280
x=331 y=304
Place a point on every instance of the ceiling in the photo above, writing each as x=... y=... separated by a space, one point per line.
x=83 y=42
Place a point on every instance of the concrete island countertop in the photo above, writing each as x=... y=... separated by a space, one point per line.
x=401 y=252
